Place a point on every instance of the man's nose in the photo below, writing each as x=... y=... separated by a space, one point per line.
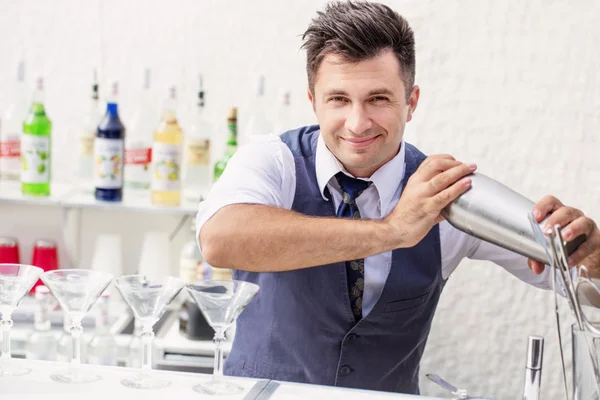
x=358 y=120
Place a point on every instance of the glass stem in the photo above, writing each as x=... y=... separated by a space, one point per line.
x=76 y=329
x=147 y=336
x=218 y=370
x=6 y=323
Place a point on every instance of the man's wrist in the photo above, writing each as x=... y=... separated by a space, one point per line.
x=389 y=237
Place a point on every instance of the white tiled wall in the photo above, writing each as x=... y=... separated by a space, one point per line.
x=511 y=85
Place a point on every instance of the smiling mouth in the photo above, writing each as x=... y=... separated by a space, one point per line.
x=360 y=142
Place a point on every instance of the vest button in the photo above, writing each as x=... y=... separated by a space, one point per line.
x=345 y=370
x=351 y=337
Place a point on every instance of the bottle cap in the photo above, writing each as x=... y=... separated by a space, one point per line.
x=232 y=116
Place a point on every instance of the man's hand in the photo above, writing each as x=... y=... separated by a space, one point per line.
x=572 y=223
x=438 y=181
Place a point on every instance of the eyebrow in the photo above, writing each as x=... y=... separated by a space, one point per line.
x=336 y=92
x=378 y=91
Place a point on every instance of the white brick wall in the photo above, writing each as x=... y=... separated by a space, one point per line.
x=508 y=84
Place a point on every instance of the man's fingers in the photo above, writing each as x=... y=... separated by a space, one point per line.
x=562 y=217
x=580 y=226
x=536 y=266
x=544 y=206
x=432 y=167
x=449 y=177
x=584 y=250
x=440 y=156
x=446 y=196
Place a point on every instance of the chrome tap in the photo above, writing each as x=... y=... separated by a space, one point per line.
x=533 y=368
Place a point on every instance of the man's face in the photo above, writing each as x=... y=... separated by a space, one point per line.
x=362 y=110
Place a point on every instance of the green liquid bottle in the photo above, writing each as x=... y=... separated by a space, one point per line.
x=35 y=147
x=231 y=143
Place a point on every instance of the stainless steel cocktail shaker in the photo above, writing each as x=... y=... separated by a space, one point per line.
x=497 y=214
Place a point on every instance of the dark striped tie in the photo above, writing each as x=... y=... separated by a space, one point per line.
x=355 y=269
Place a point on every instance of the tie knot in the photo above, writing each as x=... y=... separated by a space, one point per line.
x=351 y=187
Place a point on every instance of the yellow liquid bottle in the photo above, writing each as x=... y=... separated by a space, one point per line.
x=166 y=157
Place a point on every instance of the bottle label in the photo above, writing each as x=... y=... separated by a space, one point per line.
x=10 y=155
x=108 y=163
x=86 y=145
x=138 y=156
x=138 y=162
x=35 y=157
x=166 y=167
x=10 y=146
x=198 y=153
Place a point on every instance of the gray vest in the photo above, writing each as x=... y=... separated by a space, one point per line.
x=300 y=326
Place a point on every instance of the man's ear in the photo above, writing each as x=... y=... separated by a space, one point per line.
x=413 y=101
x=310 y=98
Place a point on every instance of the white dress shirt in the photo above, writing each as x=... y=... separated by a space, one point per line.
x=263 y=172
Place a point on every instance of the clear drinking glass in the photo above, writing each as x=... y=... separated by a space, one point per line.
x=586 y=352
x=221 y=302
x=16 y=280
x=76 y=290
x=148 y=300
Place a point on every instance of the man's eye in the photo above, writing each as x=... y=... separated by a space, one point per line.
x=337 y=99
x=379 y=98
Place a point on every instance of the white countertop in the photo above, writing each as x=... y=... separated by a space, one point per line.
x=38 y=382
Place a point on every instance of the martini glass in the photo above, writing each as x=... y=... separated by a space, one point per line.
x=76 y=291
x=148 y=300
x=221 y=302
x=15 y=282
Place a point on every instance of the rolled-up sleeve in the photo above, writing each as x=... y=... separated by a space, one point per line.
x=457 y=245
x=260 y=172
x=512 y=262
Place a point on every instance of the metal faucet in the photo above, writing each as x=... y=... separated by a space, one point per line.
x=533 y=368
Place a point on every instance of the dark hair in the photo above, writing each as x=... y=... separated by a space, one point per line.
x=356 y=31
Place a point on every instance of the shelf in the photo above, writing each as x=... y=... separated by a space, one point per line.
x=10 y=193
x=131 y=202
x=68 y=197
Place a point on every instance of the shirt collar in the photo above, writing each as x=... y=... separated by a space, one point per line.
x=386 y=179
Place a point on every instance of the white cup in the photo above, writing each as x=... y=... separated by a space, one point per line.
x=108 y=257
x=108 y=254
x=154 y=256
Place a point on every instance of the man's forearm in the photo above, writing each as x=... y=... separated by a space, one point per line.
x=264 y=238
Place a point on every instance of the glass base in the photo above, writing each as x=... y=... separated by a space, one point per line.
x=218 y=388
x=74 y=375
x=145 y=382
x=12 y=370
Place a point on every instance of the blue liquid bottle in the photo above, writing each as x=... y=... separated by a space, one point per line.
x=109 y=152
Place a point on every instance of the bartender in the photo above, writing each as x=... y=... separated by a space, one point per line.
x=340 y=225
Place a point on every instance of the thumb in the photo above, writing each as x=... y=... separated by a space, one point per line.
x=535 y=266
